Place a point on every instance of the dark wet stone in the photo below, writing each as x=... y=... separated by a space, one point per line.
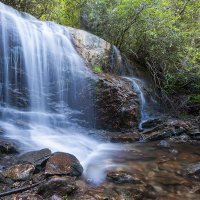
x=37 y=158
x=38 y=177
x=117 y=137
x=1 y=168
x=195 y=135
x=2 y=178
x=180 y=139
x=164 y=143
x=160 y=135
x=171 y=128
x=8 y=147
x=20 y=172
x=63 y=164
x=117 y=105
x=193 y=170
x=151 y=123
x=122 y=177
x=129 y=192
x=60 y=186
x=166 y=133
x=150 y=192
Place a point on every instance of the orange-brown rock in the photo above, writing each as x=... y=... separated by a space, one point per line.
x=56 y=185
x=20 y=172
x=116 y=104
x=63 y=164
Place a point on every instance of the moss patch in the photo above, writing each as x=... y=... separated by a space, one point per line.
x=97 y=69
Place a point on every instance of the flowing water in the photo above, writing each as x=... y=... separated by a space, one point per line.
x=144 y=115
x=42 y=82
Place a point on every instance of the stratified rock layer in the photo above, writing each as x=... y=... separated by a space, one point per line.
x=116 y=104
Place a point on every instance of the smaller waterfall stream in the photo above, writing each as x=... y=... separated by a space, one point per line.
x=143 y=104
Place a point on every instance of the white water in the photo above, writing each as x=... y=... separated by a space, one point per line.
x=41 y=69
x=143 y=104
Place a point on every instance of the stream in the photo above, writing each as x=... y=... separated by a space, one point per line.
x=42 y=80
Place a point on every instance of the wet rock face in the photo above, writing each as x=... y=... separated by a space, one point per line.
x=152 y=123
x=122 y=177
x=7 y=147
x=37 y=158
x=93 y=49
x=20 y=172
x=60 y=186
x=194 y=171
x=169 y=129
x=63 y=164
x=116 y=104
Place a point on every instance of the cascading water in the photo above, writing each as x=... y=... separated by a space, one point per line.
x=143 y=112
x=42 y=82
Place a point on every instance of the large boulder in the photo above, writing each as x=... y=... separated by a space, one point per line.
x=63 y=164
x=116 y=104
x=37 y=158
x=20 y=172
x=7 y=147
x=92 y=48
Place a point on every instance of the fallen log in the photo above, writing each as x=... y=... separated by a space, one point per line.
x=19 y=190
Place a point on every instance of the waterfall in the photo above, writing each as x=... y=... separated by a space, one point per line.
x=143 y=104
x=43 y=83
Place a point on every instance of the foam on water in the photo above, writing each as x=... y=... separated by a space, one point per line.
x=42 y=78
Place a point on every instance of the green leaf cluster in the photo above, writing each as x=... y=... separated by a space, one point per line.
x=163 y=35
x=97 y=69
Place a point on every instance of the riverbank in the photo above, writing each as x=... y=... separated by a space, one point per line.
x=160 y=162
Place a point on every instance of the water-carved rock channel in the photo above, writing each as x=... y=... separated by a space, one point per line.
x=67 y=132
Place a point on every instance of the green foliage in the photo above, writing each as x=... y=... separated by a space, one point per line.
x=66 y=12
x=97 y=69
x=65 y=197
x=163 y=35
x=195 y=98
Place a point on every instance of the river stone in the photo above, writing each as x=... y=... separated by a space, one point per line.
x=20 y=172
x=118 y=137
x=7 y=147
x=37 y=158
x=151 y=123
x=56 y=185
x=193 y=169
x=63 y=164
x=121 y=177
